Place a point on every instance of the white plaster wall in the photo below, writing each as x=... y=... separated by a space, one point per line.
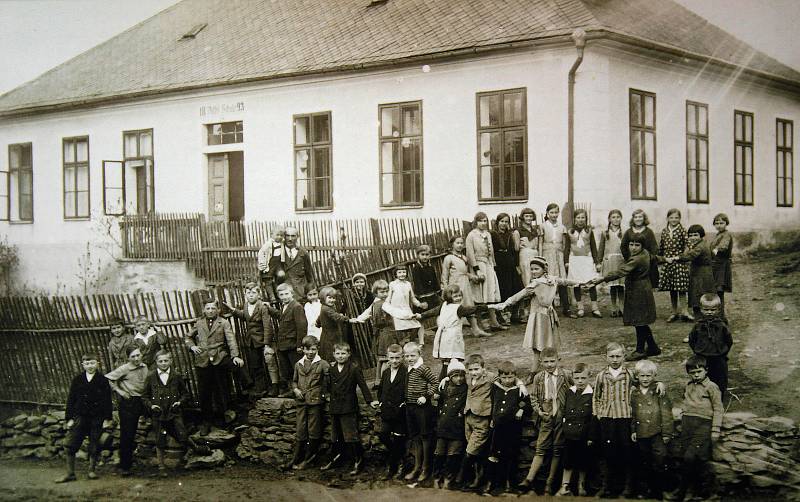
x=602 y=141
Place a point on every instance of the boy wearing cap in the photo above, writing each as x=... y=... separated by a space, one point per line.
x=450 y=442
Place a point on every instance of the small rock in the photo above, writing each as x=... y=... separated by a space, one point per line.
x=216 y=458
x=58 y=415
x=764 y=481
x=731 y=420
x=219 y=438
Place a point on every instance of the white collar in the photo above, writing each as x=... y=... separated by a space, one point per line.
x=146 y=336
x=416 y=364
x=616 y=372
x=316 y=358
x=89 y=376
x=553 y=374
x=162 y=372
x=644 y=390
x=586 y=390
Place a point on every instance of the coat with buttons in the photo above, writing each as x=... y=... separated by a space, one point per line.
x=577 y=415
x=156 y=342
x=343 y=388
x=257 y=326
x=506 y=403
x=292 y=327
x=651 y=414
x=312 y=380
x=479 y=395
x=165 y=395
x=538 y=401
x=451 y=411
x=215 y=341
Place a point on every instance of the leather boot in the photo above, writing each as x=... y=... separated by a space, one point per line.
x=464 y=471
x=417 y=462
x=297 y=456
x=162 y=468
x=92 y=467
x=552 y=482
x=426 y=461
x=70 y=475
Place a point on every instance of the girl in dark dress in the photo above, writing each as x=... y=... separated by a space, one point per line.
x=721 y=247
x=699 y=257
x=639 y=225
x=640 y=306
x=506 y=260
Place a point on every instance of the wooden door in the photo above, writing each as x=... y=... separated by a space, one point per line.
x=218 y=197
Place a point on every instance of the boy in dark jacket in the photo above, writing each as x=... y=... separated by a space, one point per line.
x=120 y=340
x=575 y=427
x=424 y=280
x=165 y=394
x=310 y=385
x=149 y=340
x=391 y=401
x=509 y=404
x=450 y=440
x=88 y=412
x=258 y=325
x=287 y=342
x=711 y=338
x=345 y=377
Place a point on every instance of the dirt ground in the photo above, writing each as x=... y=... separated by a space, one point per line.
x=764 y=378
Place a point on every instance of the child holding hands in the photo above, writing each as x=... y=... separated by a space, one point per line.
x=401 y=297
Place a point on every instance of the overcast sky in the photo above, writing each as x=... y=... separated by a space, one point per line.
x=36 y=35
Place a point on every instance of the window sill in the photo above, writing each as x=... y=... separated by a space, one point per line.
x=703 y=202
x=503 y=201
x=82 y=218
x=20 y=222
x=314 y=211
x=398 y=208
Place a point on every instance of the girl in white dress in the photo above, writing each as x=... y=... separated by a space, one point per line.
x=449 y=340
x=401 y=298
x=583 y=259
x=456 y=271
x=480 y=256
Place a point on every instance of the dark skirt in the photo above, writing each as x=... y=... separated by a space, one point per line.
x=507 y=276
x=640 y=306
x=701 y=282
x=721 y=268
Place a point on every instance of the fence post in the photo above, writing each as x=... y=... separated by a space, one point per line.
x=377 y=242
x=124 y=237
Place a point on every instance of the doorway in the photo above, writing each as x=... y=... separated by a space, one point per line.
x=226 y=186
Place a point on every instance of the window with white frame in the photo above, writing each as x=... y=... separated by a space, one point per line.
x=76 y=177
x=20 y=182
x=642 y=118
x=312 y=161
x=502 y=149
x=400 y=138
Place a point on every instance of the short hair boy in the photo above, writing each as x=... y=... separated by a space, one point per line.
x=477 y=418
x=420 y=388
x=390 y=400
x=576 y=426
x=149 y=340
x=700 y=426
x=652 y=428
x=613 y=387
x=346 y=376
x=88 y=407
x=508 y=407
x=120 y=340
x=271 y=258
x=165 y=394
x=258 y=324
x=288 y=339
x=216 y=354
x=450 y=440
x=424 y=280
x=310 y=385
x=548 y=396
x=711 y=338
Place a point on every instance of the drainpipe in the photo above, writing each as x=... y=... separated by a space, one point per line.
x=579 y=37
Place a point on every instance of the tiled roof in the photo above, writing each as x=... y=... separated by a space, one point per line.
x=248 y=40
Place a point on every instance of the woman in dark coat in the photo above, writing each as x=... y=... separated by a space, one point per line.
x=701 y=276
x=639 y=225
x=506 y=260
x=640 y=306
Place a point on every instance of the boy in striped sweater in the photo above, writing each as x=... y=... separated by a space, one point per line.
x=420 y=389
x=611 y=404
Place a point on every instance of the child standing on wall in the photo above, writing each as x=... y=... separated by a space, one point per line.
x=312 y=308
x=271 y=257
x=149 y=340
x=330 y=321
x=120 y=341
x=401 y=297
x=424 y=280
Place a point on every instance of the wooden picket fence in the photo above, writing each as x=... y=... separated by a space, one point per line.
x=42 y=339
x=221 y=252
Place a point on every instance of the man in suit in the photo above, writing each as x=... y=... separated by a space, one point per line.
x=258 y=325
x=287 y=342
x=298 y=269
x=216 y=354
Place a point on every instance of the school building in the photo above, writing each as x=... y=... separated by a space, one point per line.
x=255 y=110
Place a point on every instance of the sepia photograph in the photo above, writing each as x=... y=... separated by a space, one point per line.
x=350 y=250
